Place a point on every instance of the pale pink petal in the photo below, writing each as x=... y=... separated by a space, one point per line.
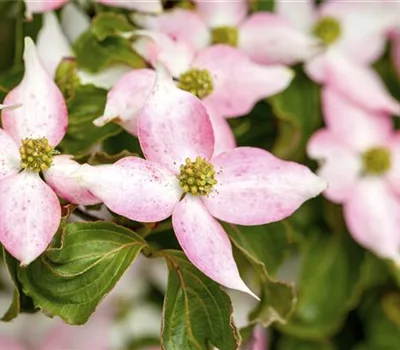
x=364 y=26
x=373 y=217
x=174 y=125
x=393 y=175
x=30 y=214
x=10 y=344
x=395 y=51
x=258 y=340
x=150 y=6
x=316 y=68
x=9 y=156
x=340 y=166
x=206 y=244
x=133 y=187
x=179 y=24
x=74 y=22
x=223 y=134
x=238 y=83
x=255 y=188
x=301 y=14
x=156 y=47
x=269 y=39
x=222 y=13
x=40 y=6
x=126 y=98
x=44 y=112
x=51 y=43
x=356 y=127
x=362 y=84
x=60 y=178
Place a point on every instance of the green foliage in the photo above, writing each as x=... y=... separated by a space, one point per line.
x=328 y=286
x=277 y=297
x=107 y=24
x=86 y=105
x=20 y=302
x=70 y=280
x=101 y=46
x=298 y=111
x=197 y=312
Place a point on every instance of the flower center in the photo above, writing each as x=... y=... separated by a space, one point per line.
x=377 y=160
x=197 y=81
x=225 y=35
x=197 y=177
x=36 y=154
x=328 y=30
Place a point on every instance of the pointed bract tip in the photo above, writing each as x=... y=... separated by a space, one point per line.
x=11 y=106
x=101 y=121
x=163 y=74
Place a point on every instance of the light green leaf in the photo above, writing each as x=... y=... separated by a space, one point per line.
x=94 y=56
x=107 y=24
x=196 y=311
x=66 y=78
x=291 y=343
x=277 y=297
x=71 y=280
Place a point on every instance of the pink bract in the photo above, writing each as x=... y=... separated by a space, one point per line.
x=371 y=202
x=29 y=209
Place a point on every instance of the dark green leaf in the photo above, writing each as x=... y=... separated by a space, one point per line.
x=70 y=281
x=298 y=111
x=329 y=285
x=94 y=56
x=107 y=24
x=380 y=330
x=87 y=104
x=20 y=302
x=277 y=298
x=196 y=311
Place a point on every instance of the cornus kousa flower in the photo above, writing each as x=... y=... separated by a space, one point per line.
x=180 y=176
x=29 y=209
x=351 y=35
x=224 y=22
x=213 y=75
x=362 y=168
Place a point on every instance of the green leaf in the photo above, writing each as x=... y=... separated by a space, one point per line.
x=329 y=286
x=66 y=78
x=107 y=24
x=87 y=104
x=196 y=311
x=99 y=158
x=262 y=5
x=71 y=280
x=20 y=302
x=94 y=56
x=291 y=343
x=277 y=297
x=267 y=244
x=298 y=111
x=381 y=332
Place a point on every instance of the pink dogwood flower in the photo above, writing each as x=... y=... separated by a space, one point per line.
x=213 y=74
x=29 y=208
x=361 y=162
x=181 y=177
x=351 y=35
